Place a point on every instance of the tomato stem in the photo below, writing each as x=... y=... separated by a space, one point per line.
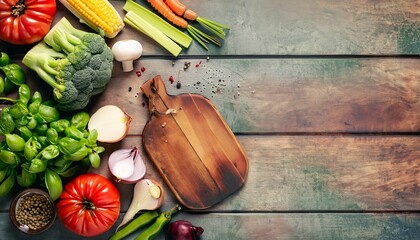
x=18 y=9
x=88 y=205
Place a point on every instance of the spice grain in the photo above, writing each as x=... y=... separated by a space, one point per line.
x=34 y=211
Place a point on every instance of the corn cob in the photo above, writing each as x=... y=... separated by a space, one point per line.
x=99 y=15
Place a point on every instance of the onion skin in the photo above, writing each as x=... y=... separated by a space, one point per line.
x=183 y=230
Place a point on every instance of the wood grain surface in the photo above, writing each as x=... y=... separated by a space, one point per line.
x=324 y=98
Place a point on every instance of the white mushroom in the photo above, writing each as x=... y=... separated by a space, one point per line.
x=126 y=51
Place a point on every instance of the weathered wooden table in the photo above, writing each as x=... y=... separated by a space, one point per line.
x=324 y=96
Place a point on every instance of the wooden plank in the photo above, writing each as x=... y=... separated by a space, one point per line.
x=286 y=95
x=312 y=173
x=266 y=226
x=280 y=95
x=299 y=27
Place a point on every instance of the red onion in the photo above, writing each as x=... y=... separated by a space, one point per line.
x=183 y=230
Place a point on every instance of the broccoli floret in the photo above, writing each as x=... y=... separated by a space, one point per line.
x=103 y=75
x=95 y=62
x=77 y=64
x=107 y=54
x=67 y=96
x=81 y=102
x=80 y=57
x=93 y=42
x=65 y=70
x=84 y=78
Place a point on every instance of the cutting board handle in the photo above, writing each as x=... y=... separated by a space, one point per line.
x=155 y=90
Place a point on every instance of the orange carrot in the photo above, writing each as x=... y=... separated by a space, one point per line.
x=201 y=37
x=176 y=6
x=163 y=9
x=190 y=15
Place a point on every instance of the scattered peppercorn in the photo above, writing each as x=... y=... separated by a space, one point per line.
x=138 y=73
x=34 y=211
x=171 y=79
x=178 y=85
x=143 y=69
x=129 y=89
x=187 y=65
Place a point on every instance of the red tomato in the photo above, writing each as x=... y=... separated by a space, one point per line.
x=89 y=205
x=25 y=21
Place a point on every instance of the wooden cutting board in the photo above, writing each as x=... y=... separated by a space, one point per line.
x=192 y=147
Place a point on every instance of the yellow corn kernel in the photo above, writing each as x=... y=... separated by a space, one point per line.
x=99 y=13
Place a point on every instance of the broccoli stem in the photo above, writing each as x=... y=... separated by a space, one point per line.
x=40 y=59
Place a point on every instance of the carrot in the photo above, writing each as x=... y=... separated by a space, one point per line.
x=190 y=15
x=201 y=37
x=164 y=9
x=176 y=6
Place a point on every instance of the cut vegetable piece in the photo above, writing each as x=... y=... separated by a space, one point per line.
x=148 y=195
x=99 y=15
x=144 y=26
x=111 y=122
x=166 y=28
x=126 y=165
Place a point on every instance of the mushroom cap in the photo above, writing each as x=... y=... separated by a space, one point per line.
x=124 y=50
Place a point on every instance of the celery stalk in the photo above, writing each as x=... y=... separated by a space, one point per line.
x=156 y=21
x=144 y=26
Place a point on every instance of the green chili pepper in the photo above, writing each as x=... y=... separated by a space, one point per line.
x=24 y=94
x=4 y=59
x=26 y=179
x=15 y=142
x=14 y=73
x=80 y=120
x=7 y=184
x=154 y=230
x=60 y=125
x=53 y=183
x=9 y=157
x=1 y=85
x=139 y=222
